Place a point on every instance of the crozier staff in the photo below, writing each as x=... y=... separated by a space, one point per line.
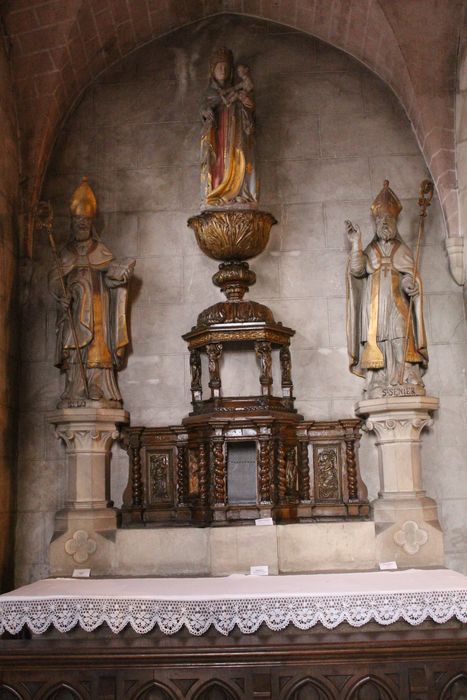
x=90 y=287
x=45 y=219
x=386 y=337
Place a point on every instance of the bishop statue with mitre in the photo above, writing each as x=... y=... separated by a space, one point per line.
x=90 y=287
x=385 y=330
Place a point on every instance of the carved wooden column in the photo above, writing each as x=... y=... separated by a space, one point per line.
x=263 y=353
x=304 y=470
x=195 y=369
x=219 y=493
x=134 y=447
x=265 y=465
x=286 y=371
x=281 y=473
x=351 y=459
x=201 y=510
x=203 y=475
x=182 y=473
x=214 y=353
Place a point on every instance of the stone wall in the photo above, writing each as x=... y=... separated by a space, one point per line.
x=8 y=195
x=329 y=133
x=461 y=137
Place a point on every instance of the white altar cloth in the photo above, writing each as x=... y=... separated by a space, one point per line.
x=243 y=601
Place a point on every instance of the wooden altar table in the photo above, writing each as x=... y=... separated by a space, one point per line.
x=381 y=635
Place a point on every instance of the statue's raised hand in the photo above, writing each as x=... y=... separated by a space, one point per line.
x=353 y=233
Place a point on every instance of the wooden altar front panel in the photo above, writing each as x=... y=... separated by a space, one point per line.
x=393 y=663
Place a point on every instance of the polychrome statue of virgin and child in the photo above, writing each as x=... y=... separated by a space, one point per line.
x=228 y=175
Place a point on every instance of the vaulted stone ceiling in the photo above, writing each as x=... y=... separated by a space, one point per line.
x=59 y=47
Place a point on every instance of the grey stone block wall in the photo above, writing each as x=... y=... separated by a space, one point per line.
x=329 y=133
x=9 y=176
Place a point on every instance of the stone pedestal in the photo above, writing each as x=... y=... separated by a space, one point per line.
x=406 y=520
x=219 y=551
x=88 y=434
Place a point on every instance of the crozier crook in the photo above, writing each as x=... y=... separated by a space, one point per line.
x=424 y=201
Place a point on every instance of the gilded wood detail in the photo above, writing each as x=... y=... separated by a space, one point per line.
x=182 y=475
x=203 y=475
x=219 y=471
x=159 y=477
x=265 y=470
x=326 y=473
x=304 y=472
x=281 y=472
x=181 y=471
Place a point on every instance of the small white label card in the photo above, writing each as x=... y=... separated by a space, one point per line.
x=81 y=573
x=264 y=521
x=259 y=570
x=387 y=565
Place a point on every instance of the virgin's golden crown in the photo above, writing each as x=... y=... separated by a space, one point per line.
x=83 y=202
x=386 y=203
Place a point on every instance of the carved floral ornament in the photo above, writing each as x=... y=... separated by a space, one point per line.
x=411 y=537
x=80 y=546
x=404 y=427
x=87 y=438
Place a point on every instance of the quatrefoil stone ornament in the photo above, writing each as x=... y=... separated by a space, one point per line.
x=80 y=546
x=411 y=537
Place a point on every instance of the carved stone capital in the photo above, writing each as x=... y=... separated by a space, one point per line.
x=397 y=419
x=401 y=428
x=87 y=439
x=88 y=429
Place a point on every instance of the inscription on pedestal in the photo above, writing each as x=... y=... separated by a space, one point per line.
x=399 y=391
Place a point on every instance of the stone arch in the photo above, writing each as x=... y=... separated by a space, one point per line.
x=63 y=55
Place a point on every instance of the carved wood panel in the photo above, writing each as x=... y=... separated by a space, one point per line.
x=160 y=478
x=327 y=469
x=303 y=471
x=347 y=670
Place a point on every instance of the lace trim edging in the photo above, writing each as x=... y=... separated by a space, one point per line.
x=248 y=615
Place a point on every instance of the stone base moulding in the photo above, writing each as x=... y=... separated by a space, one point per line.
x=406 y=520
x=88 y=434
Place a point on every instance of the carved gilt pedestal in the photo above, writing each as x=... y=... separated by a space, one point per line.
x=406 y=520
x=88 y=434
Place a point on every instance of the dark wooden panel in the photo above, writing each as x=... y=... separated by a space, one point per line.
x=373 y=663
x=304 y=471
